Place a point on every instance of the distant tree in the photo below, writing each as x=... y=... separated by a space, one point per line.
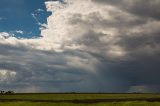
x=2 y=92
x=6 y=92
x=9 y=92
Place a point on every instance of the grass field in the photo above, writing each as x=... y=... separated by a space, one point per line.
x=80 y=100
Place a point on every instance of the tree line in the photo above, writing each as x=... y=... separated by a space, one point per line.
x=6 y=92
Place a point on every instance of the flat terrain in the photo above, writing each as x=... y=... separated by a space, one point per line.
x=80 y=100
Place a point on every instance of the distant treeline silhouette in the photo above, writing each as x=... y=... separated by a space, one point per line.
x=6 y=92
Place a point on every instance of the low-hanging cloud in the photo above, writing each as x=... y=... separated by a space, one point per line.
x=102 y=44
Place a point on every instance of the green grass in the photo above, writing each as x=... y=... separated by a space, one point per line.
x=61 y=97
x=77 y=96
x=70 y=104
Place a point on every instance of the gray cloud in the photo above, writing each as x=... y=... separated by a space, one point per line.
x=114 y=47
x=144 y=8
x=43 y=70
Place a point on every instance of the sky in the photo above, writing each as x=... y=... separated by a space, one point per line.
x=80 y=45
x=25 y=16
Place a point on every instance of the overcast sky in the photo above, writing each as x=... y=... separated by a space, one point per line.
x=80 y=45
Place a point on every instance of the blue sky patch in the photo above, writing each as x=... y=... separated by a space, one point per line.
x=18 y=15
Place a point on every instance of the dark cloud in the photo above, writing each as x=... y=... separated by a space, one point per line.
x=118 y=53
x=144 y=8
x=42 y=71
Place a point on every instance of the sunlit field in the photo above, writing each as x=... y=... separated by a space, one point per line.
x=71 y=104
x=80 y=100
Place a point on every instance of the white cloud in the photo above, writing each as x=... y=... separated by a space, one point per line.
x=6 y=75
x=34 y=15
x=19 y=31
x=39 y=10
x=60 y=34
x=84 y=26
x=4 y=35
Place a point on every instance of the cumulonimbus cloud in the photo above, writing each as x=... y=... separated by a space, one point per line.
x=97 y=43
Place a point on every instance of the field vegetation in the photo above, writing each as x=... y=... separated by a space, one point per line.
x=80 y=99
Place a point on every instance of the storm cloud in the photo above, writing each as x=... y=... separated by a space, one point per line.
x=87 y=46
